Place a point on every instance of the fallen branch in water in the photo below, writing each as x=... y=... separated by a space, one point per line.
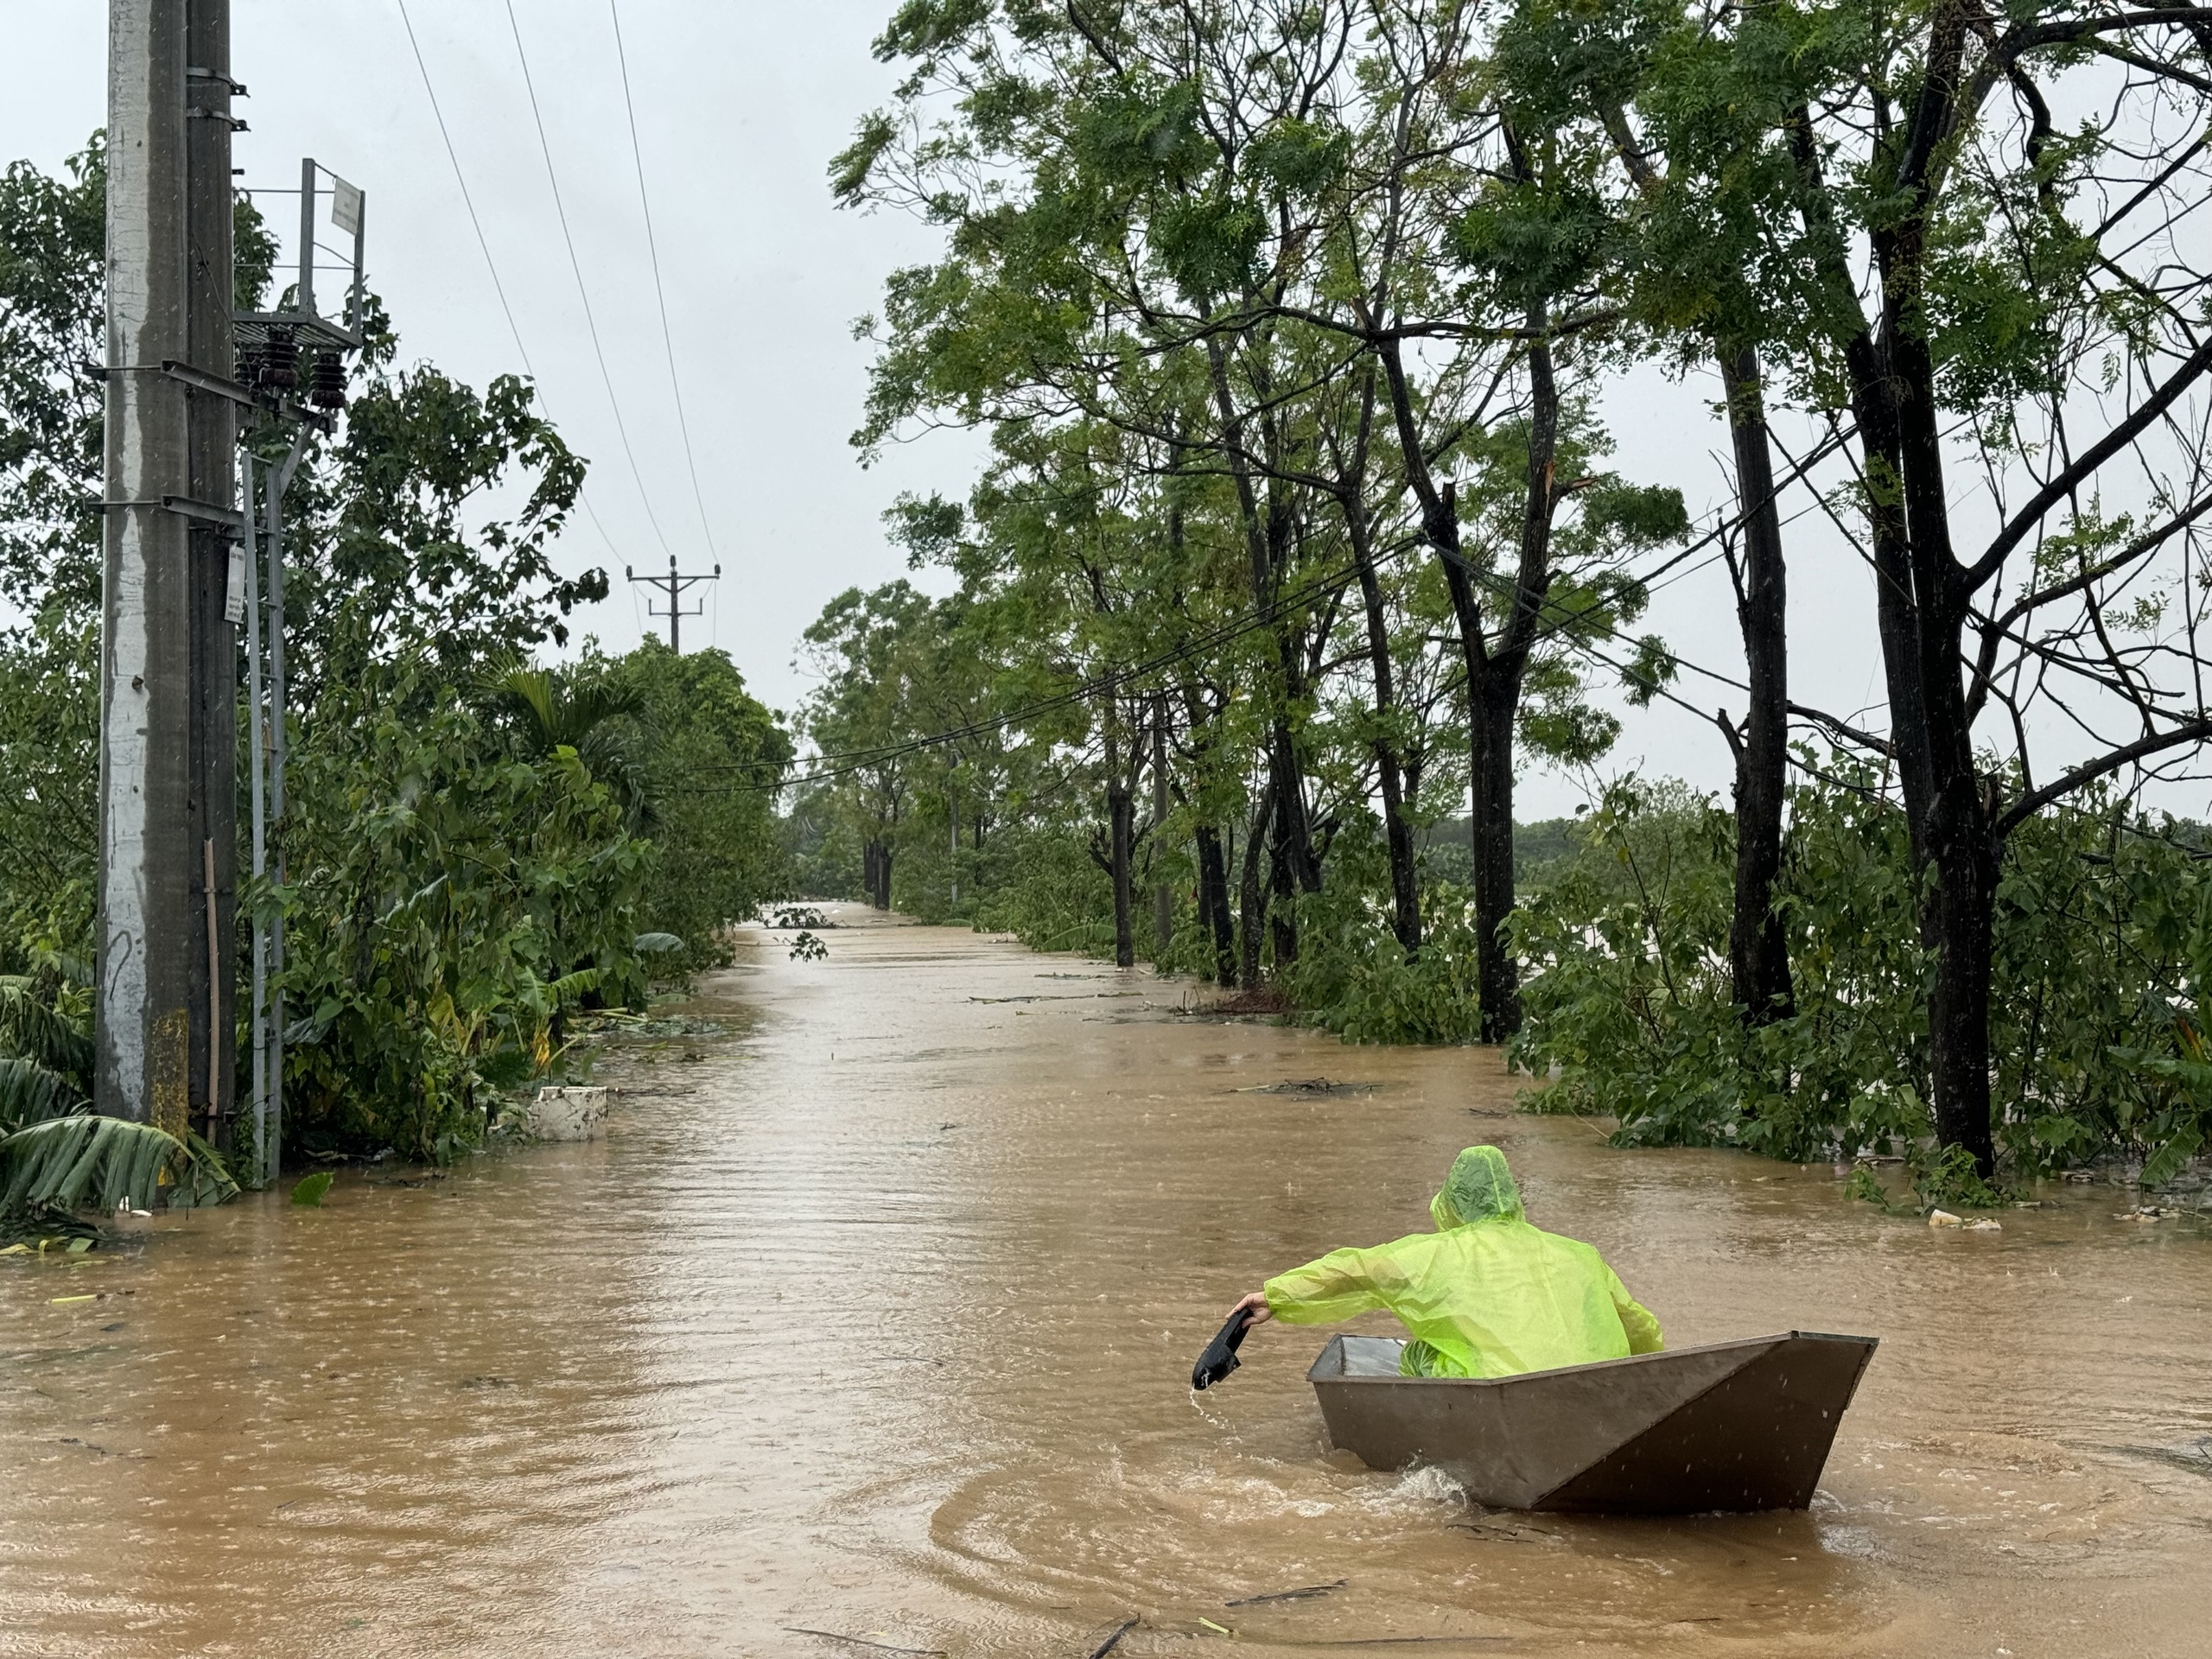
x=1114 y=1640
x=863 y=1642
x=1305 y=1593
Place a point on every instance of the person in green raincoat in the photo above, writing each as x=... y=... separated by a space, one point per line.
x=1486 y=1294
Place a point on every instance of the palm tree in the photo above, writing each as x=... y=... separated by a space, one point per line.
x=547 y=708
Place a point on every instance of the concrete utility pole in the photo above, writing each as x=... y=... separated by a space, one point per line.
x=168 y=666
x=153 y=941
x=674 y=584
x=213 y=453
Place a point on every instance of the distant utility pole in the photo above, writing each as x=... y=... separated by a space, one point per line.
x=675 y=585
x=168 y=669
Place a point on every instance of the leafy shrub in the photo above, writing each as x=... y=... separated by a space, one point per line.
x=449 y=901
x=2103 y=947
x=1045 y=890
x=1353 y=977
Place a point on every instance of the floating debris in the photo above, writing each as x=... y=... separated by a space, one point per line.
x=1979 y=1224
x=1305 y=1593
x=2195 y=1456
x=865 y=1642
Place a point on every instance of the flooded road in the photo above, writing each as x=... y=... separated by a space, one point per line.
x=876 y=1319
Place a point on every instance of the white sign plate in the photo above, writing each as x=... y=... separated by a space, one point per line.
x=345 y=206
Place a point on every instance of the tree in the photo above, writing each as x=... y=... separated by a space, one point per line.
x=708 y=759
x=1145 y=235
x=1976 y=294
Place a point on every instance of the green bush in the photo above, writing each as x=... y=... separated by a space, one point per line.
x=449 y=901
x=1353 y=977
x=2103 y=950
x=1046 y=890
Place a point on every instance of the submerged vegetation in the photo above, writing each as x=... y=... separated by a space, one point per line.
x=473 y=848
x=1296 y=334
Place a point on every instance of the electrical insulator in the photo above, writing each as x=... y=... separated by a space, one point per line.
x=280 y=360
x=327 y=389
x=249 y=366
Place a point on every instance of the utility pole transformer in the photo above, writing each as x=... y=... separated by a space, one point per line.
x=167 y=655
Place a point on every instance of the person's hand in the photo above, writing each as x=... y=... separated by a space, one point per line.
x=1257 y=1302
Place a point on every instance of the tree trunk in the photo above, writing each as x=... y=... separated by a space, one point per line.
x=1892 y=406
x=1269 y=529
x=1758 y=954
x=1119 y=808
x=1248 y=902
x=1960 y=840
x=1283 y=908
x=1213 y=902
x=1405 y=886
x=876 y=858
x=1496 y=669
x=1490 y=831
x=1962 y=906
x=1921 y=609
x=1351 y=500
x=1163 y=896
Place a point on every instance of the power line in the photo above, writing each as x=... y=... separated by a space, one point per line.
x=852 y=760
x=652 y=247
x=490 y=264
x=847 y=762
x=575 y=265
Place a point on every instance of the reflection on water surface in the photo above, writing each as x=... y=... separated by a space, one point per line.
x=876 y=1321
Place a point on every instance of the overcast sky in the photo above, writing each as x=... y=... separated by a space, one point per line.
x=740 y=105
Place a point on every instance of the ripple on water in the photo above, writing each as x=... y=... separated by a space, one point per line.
x=785 y=1350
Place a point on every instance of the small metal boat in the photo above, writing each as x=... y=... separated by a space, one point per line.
x=1738 y=1426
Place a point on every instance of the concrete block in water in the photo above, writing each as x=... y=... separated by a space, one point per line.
x=567 y=1114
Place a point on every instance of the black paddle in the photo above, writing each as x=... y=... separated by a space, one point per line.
x=1220 y=1356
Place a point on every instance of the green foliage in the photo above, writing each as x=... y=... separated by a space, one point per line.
x=706 y=757
x=1945 y=1178
x=2100 y=926
x=308 y=1192
x=31 y=1093
x=82 y=1161
x=1045 y=888
x=450 y=899
x=53 y=246
x=1352 y=976
x=1865 y=1188
x=43 y=1022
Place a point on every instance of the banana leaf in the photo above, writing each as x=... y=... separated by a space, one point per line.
x=31 y=1093
x=32 y=1030
x=92 y=1162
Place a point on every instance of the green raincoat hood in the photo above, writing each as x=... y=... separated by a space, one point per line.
x=1480 y=1188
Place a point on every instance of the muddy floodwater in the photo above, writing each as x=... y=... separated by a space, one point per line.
x=875 y=1318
